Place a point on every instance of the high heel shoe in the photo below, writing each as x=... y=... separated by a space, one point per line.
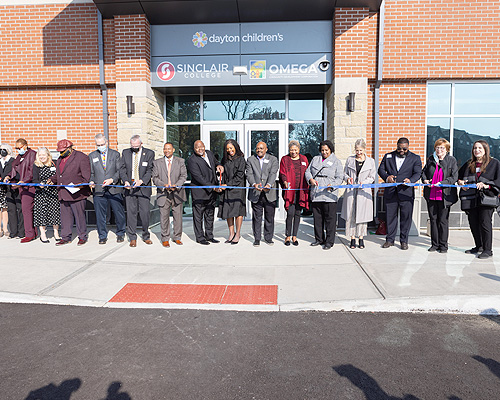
x=44 y=241
x=353 y=244
x=233 y=242
x=230 y=240
x=361 y=244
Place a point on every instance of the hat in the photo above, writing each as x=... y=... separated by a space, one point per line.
x=63 y=144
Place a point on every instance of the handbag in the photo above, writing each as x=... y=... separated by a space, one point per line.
x=488 y=201
x=468 y=199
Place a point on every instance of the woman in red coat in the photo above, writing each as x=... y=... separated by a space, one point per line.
x=292 y=170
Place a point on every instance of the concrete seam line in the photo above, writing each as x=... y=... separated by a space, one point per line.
x=77 y=272
x=344 y=242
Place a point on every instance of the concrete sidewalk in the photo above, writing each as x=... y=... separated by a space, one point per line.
x=372 y=279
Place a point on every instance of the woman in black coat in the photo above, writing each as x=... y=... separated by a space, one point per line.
x=484 y=171
x=442 y=168
x=232 y=206
x=10 y=197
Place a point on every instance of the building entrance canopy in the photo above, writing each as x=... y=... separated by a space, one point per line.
x=227 y=11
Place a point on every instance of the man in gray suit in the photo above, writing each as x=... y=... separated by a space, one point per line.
x=261 y=172
x=169 y=173
x=135 y=172
x=104 y=171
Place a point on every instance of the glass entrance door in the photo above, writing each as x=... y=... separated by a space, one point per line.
x=248 y=135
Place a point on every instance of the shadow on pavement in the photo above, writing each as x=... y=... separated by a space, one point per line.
x=69 y=386
x=493 y=366
x=490 y=276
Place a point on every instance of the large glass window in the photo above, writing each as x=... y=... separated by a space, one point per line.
x=463 y=113
x=305 y=107
x=183 y=108
x=224 y=108
x=309 y=136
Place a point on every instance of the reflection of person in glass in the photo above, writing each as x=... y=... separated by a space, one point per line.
x=357 y=207
x=324 y=171
x=440 y=168
x=292 y=176
x=484 y=171
x=232 y=206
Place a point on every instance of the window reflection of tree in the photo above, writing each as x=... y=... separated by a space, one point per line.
x=271 y=138
x=308 y=135
x=239 y=109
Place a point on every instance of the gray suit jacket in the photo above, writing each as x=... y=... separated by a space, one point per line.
x=98 y=175
x=327 y=172
x=178 y=176
x=266 y=175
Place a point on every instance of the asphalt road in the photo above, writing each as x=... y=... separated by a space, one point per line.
x=58 y=352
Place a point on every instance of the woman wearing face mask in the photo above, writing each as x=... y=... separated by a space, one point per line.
x=233 y=203
x=440 y=168
x=325 y=170
x=5 y=168
x=46 y=210
x=483 y=171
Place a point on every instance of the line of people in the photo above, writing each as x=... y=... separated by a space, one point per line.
x=23 y=209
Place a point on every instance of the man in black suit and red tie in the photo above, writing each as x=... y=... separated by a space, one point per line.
x=404 y=166
x=136 y=172
x=204 y=168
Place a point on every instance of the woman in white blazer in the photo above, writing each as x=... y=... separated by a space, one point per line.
x=357 y=207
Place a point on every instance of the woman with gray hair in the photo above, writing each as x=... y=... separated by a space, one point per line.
x=357 y=207
x=5 y=169
x=295 y=189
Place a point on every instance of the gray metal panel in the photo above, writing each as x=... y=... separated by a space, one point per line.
x=194 y=71
x=220 y=39
x=286 y=37
x=287 y=69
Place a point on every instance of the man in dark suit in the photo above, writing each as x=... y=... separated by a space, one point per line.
x=72 y=168
x=105 y=166
x=404 y=166
x=203 y=168
x=261 y=172
x=136 y=171
x=169 y=174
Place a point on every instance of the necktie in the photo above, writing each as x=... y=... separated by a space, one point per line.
x=103 y=156
x=169 y=167
x=135 y=173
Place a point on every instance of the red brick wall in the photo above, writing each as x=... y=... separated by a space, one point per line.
x=442 y=39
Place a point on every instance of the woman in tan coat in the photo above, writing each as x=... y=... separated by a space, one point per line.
x=357 y=207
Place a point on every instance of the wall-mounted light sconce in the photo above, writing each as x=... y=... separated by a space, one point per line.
x=130 y=106
x=240 y=70
x=350 y=102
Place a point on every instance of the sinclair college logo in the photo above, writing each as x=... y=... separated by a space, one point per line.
x=165 y=71
x=200 y=39
x=258 y=69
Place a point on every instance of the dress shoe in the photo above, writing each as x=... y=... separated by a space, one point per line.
x=81 y=242
x=103 y=241
x=166 y=243
x=204 y=242
x=442 y=250
x=147 y=241
x=295 y=242
x=256 y=243
x=178 y=242
x=231 y=239
x=287 y=242
x=120 y=239
x=269 y=242
x=213 y=240
x=28 y=239
x=62 y=242
x=361 y=244
x=327 y=246
x=133 y=243
x=433 y=248
x=353 y=244
x=404 y=246
x=386 y=245
x=485 y=254
x=44 y=241
x=474 y=250
x=316 y=244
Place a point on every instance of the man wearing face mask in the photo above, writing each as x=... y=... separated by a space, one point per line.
x=105 y=166
x=404 y=166
x=136 y=172
x=22 y=172
x=72 y=168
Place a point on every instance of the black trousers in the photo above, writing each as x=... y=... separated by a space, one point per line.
x=480 y=222
x=440 y=223
x=404 y=208
x=268 y=208
x=293 y=217
x=15 y=212
x=203 y=211
x=137 y=205
x=325 y=219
